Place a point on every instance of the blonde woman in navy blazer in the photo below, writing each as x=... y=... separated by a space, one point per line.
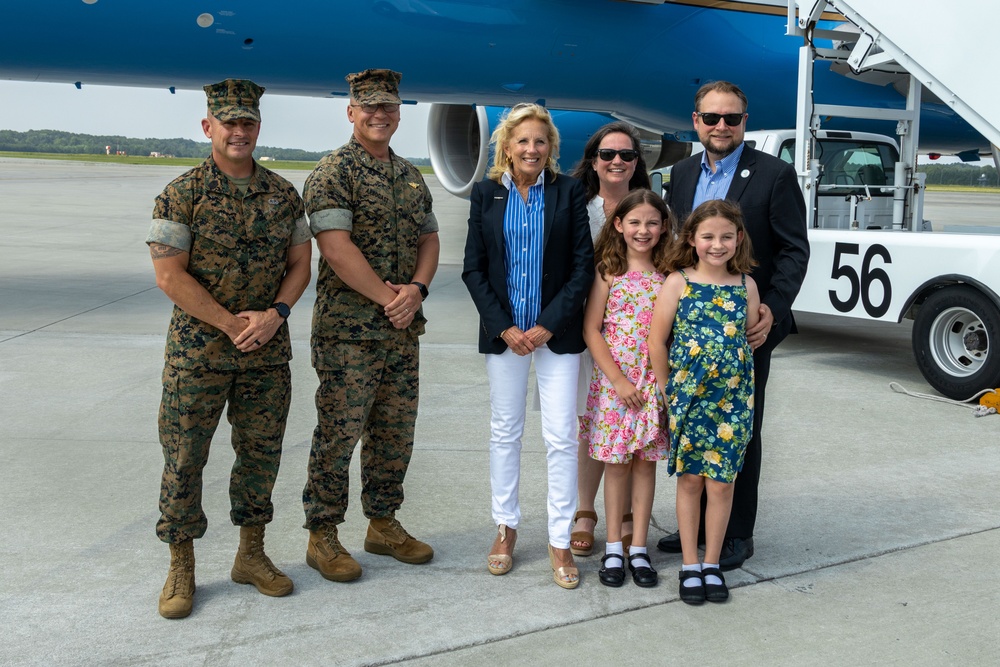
x=529 y=265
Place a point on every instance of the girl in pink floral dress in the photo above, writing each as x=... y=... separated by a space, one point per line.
x=622 y=420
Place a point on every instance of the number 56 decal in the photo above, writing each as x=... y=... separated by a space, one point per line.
x=861 y=285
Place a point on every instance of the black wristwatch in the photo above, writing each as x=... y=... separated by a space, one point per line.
x=282 y=309
x=423 y=289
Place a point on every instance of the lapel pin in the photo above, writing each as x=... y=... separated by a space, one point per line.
x=745 y=173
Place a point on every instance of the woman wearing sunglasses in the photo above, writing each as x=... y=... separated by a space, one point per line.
x=612 y=165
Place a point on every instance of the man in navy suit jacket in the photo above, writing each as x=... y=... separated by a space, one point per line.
x=767 y=191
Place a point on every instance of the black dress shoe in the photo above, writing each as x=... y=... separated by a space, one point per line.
x=672 y=543
x=692 y=594
x=715 y=592
x=612 y=576
x=735 y=550
x=643 y=575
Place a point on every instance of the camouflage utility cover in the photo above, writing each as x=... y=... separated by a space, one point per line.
x=375 y=86
x=233 y=99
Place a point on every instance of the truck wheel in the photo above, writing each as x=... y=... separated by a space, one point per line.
x=956 y=342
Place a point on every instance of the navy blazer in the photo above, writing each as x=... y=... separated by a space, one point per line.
x=774 y=211
x=567 y=263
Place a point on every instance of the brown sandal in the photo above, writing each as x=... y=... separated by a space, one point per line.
x=582 y=535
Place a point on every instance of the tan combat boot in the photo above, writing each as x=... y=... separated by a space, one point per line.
x=326 y=554
x=177 y=597
x=252 y=565
x=387 y=537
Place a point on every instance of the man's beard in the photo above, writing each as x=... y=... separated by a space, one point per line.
x=720 y=153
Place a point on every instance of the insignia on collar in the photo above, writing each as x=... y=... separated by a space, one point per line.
x=414 y=185
x=273 y=202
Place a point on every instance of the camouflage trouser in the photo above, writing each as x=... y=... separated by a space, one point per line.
x=367 y=390
x=189 y=413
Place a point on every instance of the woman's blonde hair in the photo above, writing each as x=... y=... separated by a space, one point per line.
x=683 y=254
x=610 y=251
x=502 y=135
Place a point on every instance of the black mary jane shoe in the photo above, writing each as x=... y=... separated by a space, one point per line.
x=692 y=594
x=715 y=592
x=612 y=576
x=644 y=575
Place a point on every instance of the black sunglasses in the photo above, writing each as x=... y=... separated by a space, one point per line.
x=608 y=154
x=732 y=119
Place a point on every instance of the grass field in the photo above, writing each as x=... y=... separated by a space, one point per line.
x=160 y=161
x=961 y=188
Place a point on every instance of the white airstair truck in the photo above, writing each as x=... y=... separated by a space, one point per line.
x=947 y=283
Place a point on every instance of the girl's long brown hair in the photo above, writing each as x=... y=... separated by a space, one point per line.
x=682 y=254
x=610 y=251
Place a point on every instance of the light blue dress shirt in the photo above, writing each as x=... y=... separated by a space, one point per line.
x=715 y=186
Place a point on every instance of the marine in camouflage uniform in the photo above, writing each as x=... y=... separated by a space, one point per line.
x=371 y=214
x=231 y=248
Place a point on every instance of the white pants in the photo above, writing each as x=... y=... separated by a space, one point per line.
x=557 y=379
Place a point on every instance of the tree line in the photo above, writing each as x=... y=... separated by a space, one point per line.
x=55 y=141
x=960 y=174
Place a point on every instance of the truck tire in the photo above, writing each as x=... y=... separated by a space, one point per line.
x=956 y=342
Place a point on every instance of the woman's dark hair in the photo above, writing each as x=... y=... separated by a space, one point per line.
x=585 y=169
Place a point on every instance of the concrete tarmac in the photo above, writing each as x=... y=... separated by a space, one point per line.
x=877 y=538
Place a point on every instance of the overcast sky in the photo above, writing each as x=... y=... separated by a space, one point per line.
x=287 y=122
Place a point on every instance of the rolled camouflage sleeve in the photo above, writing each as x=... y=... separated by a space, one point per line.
x=328 y=194
x=170 y=224
x=301 y=233
x=323 y=221
x=169 y=233
x=430 y=223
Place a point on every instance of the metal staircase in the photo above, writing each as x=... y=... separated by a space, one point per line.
x=934 y=44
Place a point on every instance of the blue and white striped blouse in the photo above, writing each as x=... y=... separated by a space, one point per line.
x=524 y=235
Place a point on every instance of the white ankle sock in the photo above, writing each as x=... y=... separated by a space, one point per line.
x=614 y=549
x=640 y=562
x=692 y=582
x=711 y=579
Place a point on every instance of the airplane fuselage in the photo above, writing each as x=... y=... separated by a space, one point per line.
x=641 y=62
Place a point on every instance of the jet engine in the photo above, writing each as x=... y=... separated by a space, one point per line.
x=458 y=140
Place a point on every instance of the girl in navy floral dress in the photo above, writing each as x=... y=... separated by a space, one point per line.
x=706 y=378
